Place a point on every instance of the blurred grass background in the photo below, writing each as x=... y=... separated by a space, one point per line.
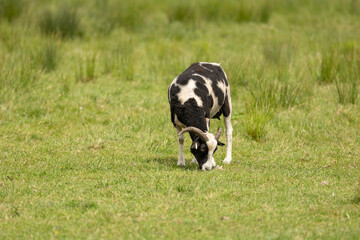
x=87 y=149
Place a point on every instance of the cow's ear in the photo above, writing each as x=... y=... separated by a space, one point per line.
x=220 y=143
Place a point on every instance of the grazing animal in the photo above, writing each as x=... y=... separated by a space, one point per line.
x=198 y=94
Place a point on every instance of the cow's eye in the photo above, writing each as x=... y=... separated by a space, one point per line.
x=202 y=148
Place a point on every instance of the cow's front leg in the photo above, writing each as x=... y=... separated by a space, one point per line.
x=229 y=131
x=181 y=161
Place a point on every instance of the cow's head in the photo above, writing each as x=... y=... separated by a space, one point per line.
x=204 y=146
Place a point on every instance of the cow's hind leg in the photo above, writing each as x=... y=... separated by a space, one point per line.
x=181 y=161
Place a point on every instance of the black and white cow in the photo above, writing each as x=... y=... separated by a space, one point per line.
x=199 y=93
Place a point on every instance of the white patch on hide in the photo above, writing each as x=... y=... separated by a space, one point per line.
x=214 y=64
x=187 y=92
x=222 y=86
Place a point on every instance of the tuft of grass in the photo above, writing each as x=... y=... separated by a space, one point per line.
x=247 y=11
x=348 y=79
x=182 y=12
x=339 y=62
x=328 y=66
x=293 y=93
x=238 y=11
x=259 y=110
x=23 y=77
x=49 y=57
x=128 y=14
x=275 y=94
x=277 y=52
x=264 y=12
x=256 y=122
x=120 y=61
x=18 y=74
x=243 y=14
x=11 y=9
x=341 y=65
x=269 y=93
x=347 y=91
x=354 y=7
x=235 y=73
x=17 y=79
x=347 y=84
x=85 y=71
x=63 y=22
x=102 y=23
x=90 y=64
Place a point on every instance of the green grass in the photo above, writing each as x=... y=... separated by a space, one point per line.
x=88 y=151
x=10 y=9
x=64 y=22
x=49 y=56
x=86 y=67
x=340 y=65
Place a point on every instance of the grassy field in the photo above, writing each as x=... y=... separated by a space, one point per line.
x=88 y=151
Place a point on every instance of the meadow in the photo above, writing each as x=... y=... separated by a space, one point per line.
x=88 y=151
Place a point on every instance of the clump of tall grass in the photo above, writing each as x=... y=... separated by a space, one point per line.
x=257 y=119
x=328 y=66
x=264 y=12
x=262 y=103
x=129 y=15
x=49 y=57
x=120 y=61
x=85 y=69
x=63 y=22
x=236 y=73
x=132 y=15
x=278 y=53
x=182 y=12
x=347 y=90
x=269 y=92
x=276 y=94
x=128 y=67
x=238 y=11
x=341 y=65
x=101 y=19
x=17 y=74
x=348 y=76
x=258 y=114
x=255 y=11
x=11 y=9
x=336 y=59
